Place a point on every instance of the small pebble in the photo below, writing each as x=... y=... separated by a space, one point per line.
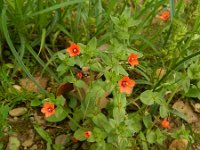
x=34 y=147
x=13 y=143
x=16 y=112
x=27 y=143
x=61 y=139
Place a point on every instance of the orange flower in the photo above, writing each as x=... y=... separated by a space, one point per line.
x=79 y=75
x=73 y=50
x=165 y=123
x=133 y=59
x=87 y=134
x=165 y=15
x=48 y=109
x=126 y=84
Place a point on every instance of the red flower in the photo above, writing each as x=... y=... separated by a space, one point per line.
x=126 y=84
x=87 y=134
x=133 y=59
x=79 y=75
x=165 y=123
x=165 y=15
x=48 y=109
x=73 y=50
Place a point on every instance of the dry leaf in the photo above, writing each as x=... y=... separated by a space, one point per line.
x=29 y=85
x=196 y=106
x=64 y=88
x=17 y=87
x=104 y=47
x=178 y=144
x=102 y=103
x=186 y=109
x=160 y=72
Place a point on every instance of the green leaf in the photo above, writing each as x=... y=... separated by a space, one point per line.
x=61 y=68
x=112 y=123
x=77 y=116
x=72 y=102
x=181 y=133
x=119 y=114
x=43 y=134
x=105 y=58
x=120 y=101
x=95 y=92
x=151 y=137
x=101 y=121
x=36 y=102
x=59 y=101
x=159 y=99
x=70 y=79
x=96 y=67
x=42 y=44
x=60 y=114
x=143 y=141
x=115 y=20
x=194 y=71
x=136 y=122
x=92 y=43
x=147 y=121
x=97 y=135
x=164 y=111
x=120 y=70
x=177 y=113
x=79 y=134
x=193 y=92
x=71 y=61
x=147 y=97
x=198 y=85
x=79 y=83
x=160 y=137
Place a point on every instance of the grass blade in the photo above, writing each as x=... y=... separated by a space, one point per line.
x=13 y=50
x=172 y=9
x=64 y=4
x=41 y=62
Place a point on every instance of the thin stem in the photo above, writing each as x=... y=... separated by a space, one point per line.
x=172 y=95
x=79 y=92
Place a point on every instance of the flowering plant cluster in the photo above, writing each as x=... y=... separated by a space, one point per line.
x=102 y=89
x=101 y=93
